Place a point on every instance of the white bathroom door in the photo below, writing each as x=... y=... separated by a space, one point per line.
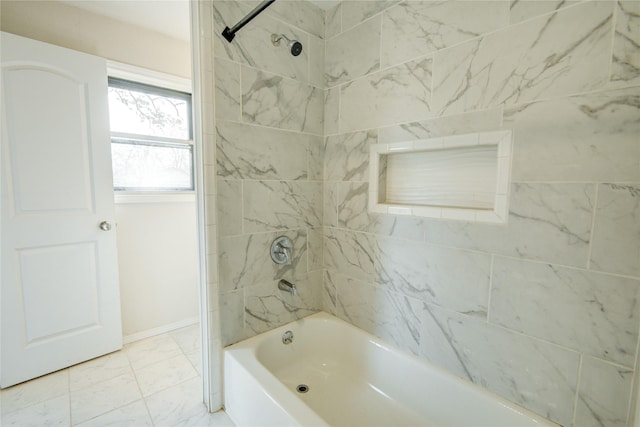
x=59 y=295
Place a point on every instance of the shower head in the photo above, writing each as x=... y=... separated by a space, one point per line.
x=294 y=45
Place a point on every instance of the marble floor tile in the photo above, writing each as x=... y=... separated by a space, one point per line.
x=165 y=374
x=103 y=397
x=35 y=391
x=176 y=404
x=188 y=338
x=146 y=352
x=50 y=413
x=132 y=415
x=98 y=370
x=205 y=419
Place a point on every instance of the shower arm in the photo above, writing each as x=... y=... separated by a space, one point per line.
x=230 y=33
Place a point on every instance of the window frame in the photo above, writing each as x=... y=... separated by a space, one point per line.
x=134 y=78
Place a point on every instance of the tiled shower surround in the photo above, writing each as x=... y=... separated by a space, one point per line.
x=544 y=310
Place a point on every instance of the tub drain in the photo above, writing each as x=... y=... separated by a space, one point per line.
x=302 y=388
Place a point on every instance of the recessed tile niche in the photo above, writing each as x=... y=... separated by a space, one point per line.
x=464 y=177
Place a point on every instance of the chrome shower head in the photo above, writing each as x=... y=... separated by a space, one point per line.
x=294 y=45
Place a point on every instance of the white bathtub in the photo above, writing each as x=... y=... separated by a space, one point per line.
x=354 y=379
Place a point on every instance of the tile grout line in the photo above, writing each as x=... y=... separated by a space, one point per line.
x=593 y=225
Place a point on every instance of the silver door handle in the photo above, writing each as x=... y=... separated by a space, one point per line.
x=105 y=226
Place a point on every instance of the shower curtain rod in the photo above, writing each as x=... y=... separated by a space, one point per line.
x=230 y=33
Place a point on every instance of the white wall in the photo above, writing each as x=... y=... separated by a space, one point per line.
x=158 y=261
x=63 y=25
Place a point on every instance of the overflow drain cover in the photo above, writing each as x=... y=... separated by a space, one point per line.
x=302 y=388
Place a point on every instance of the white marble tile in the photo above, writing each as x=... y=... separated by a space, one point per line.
x=329 y=293
x=151 y=350
x=315 y=248
x=51 y=413
x=603 y=394
x=195 y=357
x=556 y=304
x=232 y=312
x=316 y=61
x=275 y=101
x=103 y=397
x=547 y=222
x=205 y=419
x=333 y=21
x=582 y=138
x=391 y=316
x=132 y=415
x=354 y=53
x=616 y=234
x=350 y=253
x=254 y=152
x=98 y=370
x=625 y=68
x=267 y=307
x=330 y=208
x=353 y=199
x=162 y=375
x=315 y=157
x=227 y=92
x=415 y=28
x=394 y=95
x=188 y=338
x=245 y=261
x=302 y=14
x=346 y=157
x=476 y=121
x=35 y=391
x=356 y=11
x=521 y=10
x=559 y=54
x=431 y=274
x=281 y=205
x=229 y=206
x=176 y=404
x=331 y=110
x=252 y=46
x=535 y=374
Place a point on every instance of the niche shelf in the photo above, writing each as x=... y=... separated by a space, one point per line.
x=463 y=177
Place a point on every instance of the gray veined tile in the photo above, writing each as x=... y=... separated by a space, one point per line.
x=394 y=95
x=591 y=312
x=350 y=253
x=346 y=156
x=103 y=397
x=521 y=10
x=432 y=274
x=252 y=46
x=353 y=214
x=603 y=395
x=476 y=121
x=267 y=307
x=625 y=68
x=162 y=375
x=232 y=311
x=389 y=315
x=353 y=54
x=581 y=138
x=315 y=157
x=302 y=14
x=227 y=93
x=535 y=374
x=229 y=206
x=35 y=391
x=558 y=54
x=329 y=294
x=252 y=152
x=51 y=413
x=245 y=261
x=333 y=21
x=616 y=234
x=315 y=239
x=173 y=405
x=331 y=110
x=415 y=28
x=98 y=370
x=356 y=11
x=152 y=350
x=132 y=415
x=547 y=222
x=275 y=101
x=330 y=208
x=278 y=205
x=316 y=61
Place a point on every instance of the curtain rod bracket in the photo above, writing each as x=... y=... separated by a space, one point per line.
x=230 y=33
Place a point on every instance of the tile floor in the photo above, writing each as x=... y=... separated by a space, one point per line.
x=152 y=382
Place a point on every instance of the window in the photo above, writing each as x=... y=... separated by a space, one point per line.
x=151 y=137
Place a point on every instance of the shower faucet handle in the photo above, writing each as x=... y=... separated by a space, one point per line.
x=282 y=250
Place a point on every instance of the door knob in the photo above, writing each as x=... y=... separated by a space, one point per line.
x=105 y=226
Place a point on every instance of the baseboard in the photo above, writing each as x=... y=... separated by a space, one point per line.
x=159 y=330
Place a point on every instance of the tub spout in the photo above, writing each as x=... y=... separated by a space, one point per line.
x=286 y=286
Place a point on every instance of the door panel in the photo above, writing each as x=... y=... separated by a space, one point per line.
x=59 y=294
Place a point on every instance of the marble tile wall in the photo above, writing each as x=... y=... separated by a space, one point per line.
x=267 y=153
x=544 y=310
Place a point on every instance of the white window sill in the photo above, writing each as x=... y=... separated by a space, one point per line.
x=154 y=197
